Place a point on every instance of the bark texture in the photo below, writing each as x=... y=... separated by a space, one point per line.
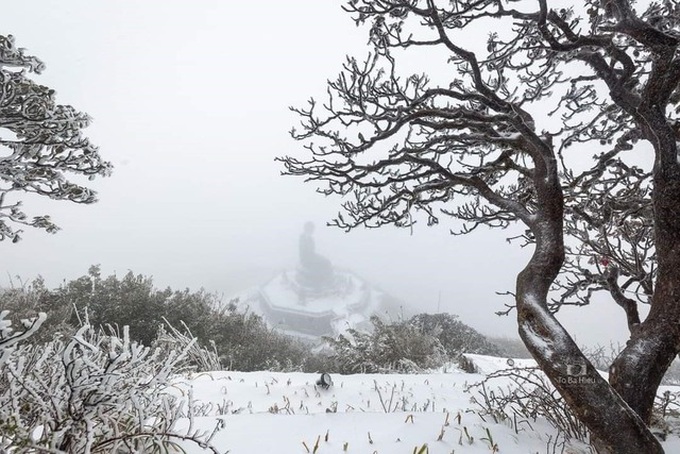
x=639 y=369
x=615 y=426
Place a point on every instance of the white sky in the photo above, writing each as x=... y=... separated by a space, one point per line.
x=190 y=102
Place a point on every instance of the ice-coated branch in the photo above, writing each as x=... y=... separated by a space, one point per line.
x=9 y=338
x=470 y=144
x=42 y=144
x=93 y=393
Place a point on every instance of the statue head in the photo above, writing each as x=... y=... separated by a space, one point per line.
x=309 y=227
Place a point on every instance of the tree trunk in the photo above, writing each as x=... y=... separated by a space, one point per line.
x=637 y=371
x=614 y=426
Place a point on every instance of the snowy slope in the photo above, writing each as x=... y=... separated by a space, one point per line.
x=267 y=412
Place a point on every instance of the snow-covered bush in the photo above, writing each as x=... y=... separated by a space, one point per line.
x=396 y=347
x=455 y=336
x=421 y=342
x=9 y=338
x=245 y=342
x=197 y=357
x=240 y=338
x=95 y=392
x=530 y=396
x=29 y=298
x=131 y=301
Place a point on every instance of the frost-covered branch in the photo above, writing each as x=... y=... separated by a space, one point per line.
x=42 y=143
x=473 y=142
x=92 y=393
x=9 y=338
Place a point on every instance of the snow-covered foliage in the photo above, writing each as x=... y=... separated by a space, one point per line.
x=196 y=356
x=396 y=347
x=95 y=392
x=528 y=396
x=25 y=300
x=239 y=337
x=40 y=143
x=9 y=338
x=455 y=336
x=424 y=341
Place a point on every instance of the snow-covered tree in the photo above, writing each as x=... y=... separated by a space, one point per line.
x=41 y=142
x=504 y=131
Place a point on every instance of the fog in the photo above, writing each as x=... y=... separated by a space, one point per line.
x=190 y=103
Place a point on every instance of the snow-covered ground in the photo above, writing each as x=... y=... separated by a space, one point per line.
x=269 y=412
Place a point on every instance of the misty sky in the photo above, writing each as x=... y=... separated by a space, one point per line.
x=190 y=103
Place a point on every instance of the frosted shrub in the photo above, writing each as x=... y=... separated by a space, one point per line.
x=241 y=339
x=425 y=341
x=528 y=396
x=197 y=358
x=244 y=342
x=94 y=392
x=29 y=298
x=9 y=338
x=455 y=336
x=397 y=347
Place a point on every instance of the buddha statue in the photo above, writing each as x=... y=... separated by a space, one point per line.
x=315 y=270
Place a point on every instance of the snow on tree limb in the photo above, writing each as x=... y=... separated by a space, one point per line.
x=471 y=145
x=41 y=143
